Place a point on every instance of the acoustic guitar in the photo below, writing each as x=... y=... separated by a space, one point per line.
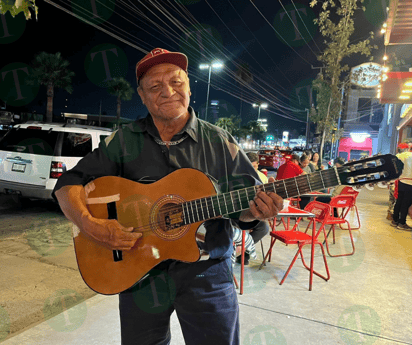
x=169 y=212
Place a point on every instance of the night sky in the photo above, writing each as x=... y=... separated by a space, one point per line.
x=258 y=34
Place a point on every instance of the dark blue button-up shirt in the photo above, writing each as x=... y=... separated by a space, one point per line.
x=135 y=152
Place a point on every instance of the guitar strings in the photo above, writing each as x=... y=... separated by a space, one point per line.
x=207 y=202
x=325 y=177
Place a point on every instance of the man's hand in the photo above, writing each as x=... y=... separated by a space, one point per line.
x=110 y=233
x=265 y=205
x=107 y=232
x=271 y=179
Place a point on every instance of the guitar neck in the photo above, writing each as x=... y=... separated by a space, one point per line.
x=236 y=201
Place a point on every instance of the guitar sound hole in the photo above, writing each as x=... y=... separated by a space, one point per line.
x=170 y=217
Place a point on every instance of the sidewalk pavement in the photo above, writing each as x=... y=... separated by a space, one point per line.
x=366 y=301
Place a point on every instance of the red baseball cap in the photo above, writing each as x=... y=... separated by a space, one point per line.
x=158 y=56
x=403 y=146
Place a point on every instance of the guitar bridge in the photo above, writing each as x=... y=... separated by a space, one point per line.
x=173 y=219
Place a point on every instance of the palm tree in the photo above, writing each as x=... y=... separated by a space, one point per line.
x=229 y=124
x=257 y=130
x=122 y=89
x=51 y=70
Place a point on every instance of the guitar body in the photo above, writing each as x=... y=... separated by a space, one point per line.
x=150 y=209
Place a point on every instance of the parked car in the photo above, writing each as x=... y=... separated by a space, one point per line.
x=270 y=159
x=34 y=155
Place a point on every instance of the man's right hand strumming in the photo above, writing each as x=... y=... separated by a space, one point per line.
x=107 y=232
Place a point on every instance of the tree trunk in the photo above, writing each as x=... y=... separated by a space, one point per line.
x=322 y=143
x=50 y=94
x=119 y=101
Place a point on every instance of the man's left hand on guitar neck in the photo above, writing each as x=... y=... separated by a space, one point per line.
x=265 y=205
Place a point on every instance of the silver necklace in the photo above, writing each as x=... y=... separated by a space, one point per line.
x=161 y=142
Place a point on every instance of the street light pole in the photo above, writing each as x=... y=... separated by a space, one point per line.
x=208 y=90
x=307 y=128
x=262 y=105
x=216 y=65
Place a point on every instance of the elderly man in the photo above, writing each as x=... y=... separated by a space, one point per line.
x=170 y=138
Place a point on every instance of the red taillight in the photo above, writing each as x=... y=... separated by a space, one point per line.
x=57 y=169
x=33 y=127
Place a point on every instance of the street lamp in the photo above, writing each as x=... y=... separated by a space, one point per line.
x=262 y=105
x=217 y=65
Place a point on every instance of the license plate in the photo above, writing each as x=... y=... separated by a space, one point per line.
x=18 y=167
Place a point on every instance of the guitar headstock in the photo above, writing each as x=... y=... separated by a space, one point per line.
x=371 y=170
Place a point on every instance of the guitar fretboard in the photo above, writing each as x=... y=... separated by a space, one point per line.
x=238 y=200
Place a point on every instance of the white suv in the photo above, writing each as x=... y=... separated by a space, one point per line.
x=34 y=155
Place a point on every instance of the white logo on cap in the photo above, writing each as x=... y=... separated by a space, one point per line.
x=157 y=51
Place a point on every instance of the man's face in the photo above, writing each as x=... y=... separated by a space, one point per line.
x=255 y=165
x=165 y=91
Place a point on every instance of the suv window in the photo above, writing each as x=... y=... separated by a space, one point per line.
x=25 y=140
x=76 y=144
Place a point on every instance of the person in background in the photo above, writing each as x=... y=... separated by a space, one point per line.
x=306 y=167
x=315 y=162
x=404 y=200
x=309 y=154
x=254 y=159
x=290 y=168
x=304 y=164
x=261 y=229
x=336 y=191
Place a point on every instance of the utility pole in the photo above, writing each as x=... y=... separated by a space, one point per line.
x=307 y=128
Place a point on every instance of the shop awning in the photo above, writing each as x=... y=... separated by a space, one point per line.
x=399 y=23
x=396 y=88
x=406 y=118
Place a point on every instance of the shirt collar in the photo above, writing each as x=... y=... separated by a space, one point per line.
x=147 y=125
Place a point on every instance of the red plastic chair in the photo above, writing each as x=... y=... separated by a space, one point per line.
x=339 y=201
x=350 y=191
x=322 y=212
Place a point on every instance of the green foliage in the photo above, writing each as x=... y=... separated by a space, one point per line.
x=330 y=83
x=230 y=124
x=15 y=7
x=51 y=70
x=256 y=130
x=120 y=87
